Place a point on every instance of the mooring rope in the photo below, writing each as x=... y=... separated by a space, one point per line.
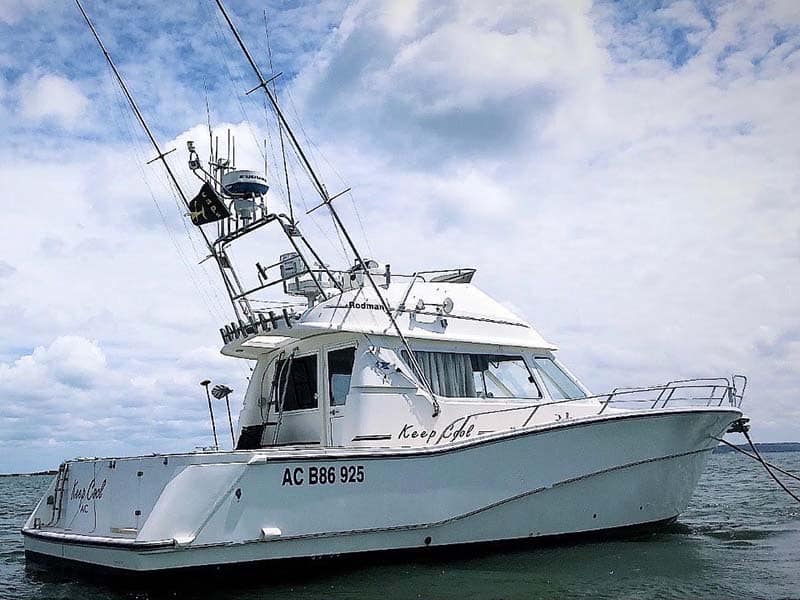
x=754 y=457
x=742 y=427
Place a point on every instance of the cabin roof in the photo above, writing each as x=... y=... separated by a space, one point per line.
x=453 y=312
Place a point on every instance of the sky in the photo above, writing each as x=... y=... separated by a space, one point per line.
x=624 y=175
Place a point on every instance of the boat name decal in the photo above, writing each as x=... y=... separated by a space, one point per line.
x=365 y=305
x=456 y=430
x=358 y=306
x=87 y=493
x=321 y=475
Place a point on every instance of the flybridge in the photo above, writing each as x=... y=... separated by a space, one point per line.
x=423 y=309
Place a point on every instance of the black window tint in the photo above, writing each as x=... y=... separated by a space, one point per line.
x=340 y=370
x=299 y=377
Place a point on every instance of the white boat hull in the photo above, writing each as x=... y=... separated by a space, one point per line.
x=595 y=474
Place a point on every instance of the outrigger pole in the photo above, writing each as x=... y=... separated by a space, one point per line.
x=327 y=201
x=280 y=129
x=219 y=257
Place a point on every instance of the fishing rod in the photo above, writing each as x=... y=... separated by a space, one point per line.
x=280 y=129
x=328 y=201
x=219 y=256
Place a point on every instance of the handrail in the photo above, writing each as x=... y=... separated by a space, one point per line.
x=427 y=276
x=724 y=389
x=288 y=364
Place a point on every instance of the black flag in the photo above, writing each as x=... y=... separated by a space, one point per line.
x=207 y=206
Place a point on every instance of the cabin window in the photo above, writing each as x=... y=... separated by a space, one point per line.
x=558 y=383
x=298 y=376
x=458 y=375
x=340 y=371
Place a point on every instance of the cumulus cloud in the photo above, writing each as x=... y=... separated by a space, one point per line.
x=11 y=11
x=648 y=222
x=68 y=362
x=51 y=97
x=417 y=71
x=626 y=177
x=6 y=270
x=72 y=360
x=66 y=398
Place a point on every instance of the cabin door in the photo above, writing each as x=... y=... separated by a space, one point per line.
x=294 y=412
x=340 y=371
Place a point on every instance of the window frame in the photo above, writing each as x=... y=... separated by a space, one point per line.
x=296 y=411
x=326 y=370
x=540 y=377
x=522 y=355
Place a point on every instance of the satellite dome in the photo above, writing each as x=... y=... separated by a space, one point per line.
x=245 y=183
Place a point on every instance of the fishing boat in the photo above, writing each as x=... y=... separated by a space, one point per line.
x=384 y=411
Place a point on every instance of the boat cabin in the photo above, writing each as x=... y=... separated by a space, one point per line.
x=334 y=376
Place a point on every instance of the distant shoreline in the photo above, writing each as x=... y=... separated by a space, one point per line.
x=721 y=449
x=28 y=474
x=762 y=447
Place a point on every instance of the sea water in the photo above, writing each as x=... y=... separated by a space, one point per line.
x=739 y=538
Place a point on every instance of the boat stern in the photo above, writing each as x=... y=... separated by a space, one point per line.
x=99 y=510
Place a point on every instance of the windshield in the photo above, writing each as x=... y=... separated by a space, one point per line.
x=558 y=383
x=460 y=375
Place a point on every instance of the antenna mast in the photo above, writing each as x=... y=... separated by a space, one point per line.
x=326 y=200
x=219 y=256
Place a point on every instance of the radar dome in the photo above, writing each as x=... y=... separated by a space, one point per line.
x=245 y=183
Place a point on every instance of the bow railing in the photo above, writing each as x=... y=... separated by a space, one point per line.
x=714 y=391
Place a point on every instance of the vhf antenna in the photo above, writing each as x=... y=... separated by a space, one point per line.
x=162 y=157
x=327 y=201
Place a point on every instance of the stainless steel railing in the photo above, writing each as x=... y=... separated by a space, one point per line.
x=716 y=391
x=713 y=391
